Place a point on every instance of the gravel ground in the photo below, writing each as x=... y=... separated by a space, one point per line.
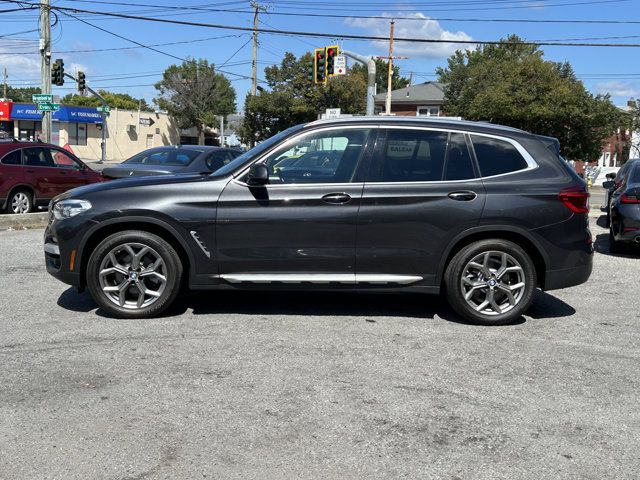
x=258 y=386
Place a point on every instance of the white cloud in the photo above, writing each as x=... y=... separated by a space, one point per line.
x=427 y=29
x=73 y=68
x=618 y=89
x=19 y=66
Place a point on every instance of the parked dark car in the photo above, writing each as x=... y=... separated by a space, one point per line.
x=171 y=160
x=32 y=173
x=613 y=184
x=481 y=213
x=625 y=211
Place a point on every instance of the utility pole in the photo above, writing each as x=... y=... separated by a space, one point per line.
x=254 y=61
x=45 y=63
x=5 y=83
x=390 y=74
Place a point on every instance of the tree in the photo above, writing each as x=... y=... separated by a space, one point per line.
x=21 y=95
x=194 y=95
x=294 y=99
x=382 y=74
x=114 y=100
x=512 y=84
x=635 y=127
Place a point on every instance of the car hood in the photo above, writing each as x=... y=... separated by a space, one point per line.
x=126 y=183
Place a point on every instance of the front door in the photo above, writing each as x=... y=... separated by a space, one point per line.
x=301 y=226
x=71 y=173
x=422 y=191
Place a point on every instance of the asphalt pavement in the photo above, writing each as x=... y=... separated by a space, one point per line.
x=279 y=386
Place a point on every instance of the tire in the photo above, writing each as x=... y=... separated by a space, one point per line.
x=476 y=272
x=614 y=245
x=134 y=274
x=20 y=201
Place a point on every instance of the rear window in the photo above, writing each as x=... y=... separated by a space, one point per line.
x=172 y=157
x=634 y=177
x=496 y=157
x=12 y=158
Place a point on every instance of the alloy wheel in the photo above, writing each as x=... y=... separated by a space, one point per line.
x=133 y=275
x=20 y=203
x=493 y=283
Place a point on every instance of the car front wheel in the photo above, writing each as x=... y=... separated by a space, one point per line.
x=134 y=274
x=490 y=282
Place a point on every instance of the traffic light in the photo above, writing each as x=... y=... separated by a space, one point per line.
x=57 y=72
x=311 y=72
x=82 y=81
x=320 y=65
x=332 y=52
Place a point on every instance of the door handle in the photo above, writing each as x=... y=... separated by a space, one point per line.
x=30 y=171
x=464 y=196
x=336 y=198
x=63 y=172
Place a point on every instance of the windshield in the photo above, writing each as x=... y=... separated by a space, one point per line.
x=247 y=156
x=174 y=157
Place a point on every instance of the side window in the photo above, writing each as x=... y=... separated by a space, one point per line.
x=320 y=157
x=459 y=164
x=12 y=158
x=496 y=156
x=37 y=157
x=62 y=160
x=217 y=160
x=413 y=156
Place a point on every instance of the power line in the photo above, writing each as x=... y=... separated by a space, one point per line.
x=336 y=35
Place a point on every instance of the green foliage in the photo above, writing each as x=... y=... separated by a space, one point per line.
x=294 y=99
x=21 y=95
x=512 y=84
x=382 y=73
x=194 y=95
x=114 y=100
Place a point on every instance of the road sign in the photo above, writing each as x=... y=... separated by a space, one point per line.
x=103 y=108
x=147 y=122
x=332 y=113
x=42 y=97
x=48 y=107
x=340 y=65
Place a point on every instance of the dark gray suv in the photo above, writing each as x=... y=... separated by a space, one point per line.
x=481 y=213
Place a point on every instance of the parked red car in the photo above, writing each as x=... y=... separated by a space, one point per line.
x=32 y=173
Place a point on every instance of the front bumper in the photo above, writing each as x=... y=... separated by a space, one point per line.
x=61 y=247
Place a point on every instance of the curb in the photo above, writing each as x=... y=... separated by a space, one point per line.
x=23 y=221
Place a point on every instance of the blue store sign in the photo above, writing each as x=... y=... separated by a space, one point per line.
x=78 y=114
x=21 y=111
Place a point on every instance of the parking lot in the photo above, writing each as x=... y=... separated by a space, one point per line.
x=273 y=386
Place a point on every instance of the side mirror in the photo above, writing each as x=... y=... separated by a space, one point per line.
x=607 y=185
x=258 y=175
x=610 y=176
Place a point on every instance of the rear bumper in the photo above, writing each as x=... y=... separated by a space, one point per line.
x=568 y=277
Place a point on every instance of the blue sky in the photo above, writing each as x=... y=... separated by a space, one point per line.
x=612 y=70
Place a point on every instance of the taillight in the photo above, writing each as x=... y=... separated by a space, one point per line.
x=575 y=199
x=624 y=198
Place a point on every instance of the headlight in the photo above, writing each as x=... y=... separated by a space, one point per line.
x=70 y=208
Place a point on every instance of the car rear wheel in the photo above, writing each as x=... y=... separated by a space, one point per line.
x=490 y=282
x=134 y=274
x=20 y=201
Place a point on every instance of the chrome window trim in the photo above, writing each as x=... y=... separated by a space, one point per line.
x=293 y=139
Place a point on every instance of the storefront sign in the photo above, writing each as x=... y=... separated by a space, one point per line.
x=5 y=111
x=78 y=114
x=22 y=111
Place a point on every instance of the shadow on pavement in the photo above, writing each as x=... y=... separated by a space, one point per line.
x=304 y=304
x=601 y=245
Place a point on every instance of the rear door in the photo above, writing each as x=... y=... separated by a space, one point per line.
x=71 y=173
x=41 y=172
x=421 y=192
